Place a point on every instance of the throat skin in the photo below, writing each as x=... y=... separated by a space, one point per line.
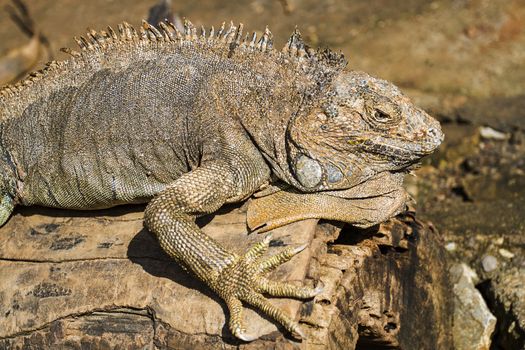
x=268 y=128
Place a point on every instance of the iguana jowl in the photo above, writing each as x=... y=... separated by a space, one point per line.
x=193 y=121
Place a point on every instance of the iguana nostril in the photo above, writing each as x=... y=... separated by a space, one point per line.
x=435 y=134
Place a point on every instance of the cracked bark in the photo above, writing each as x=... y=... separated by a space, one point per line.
x=116 y=287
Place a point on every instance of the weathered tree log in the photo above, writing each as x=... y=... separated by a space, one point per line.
x=98 y=280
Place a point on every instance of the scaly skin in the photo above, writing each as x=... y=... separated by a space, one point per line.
x=193 y=122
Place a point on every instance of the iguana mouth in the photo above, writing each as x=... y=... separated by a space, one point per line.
x=398 y=147
x=400 y=151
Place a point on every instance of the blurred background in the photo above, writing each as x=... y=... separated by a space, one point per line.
x=462 y=60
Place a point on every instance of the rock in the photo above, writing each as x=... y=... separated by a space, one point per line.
x=505 y=253
x=99 y=280
x=476 y=198
x=487 y=132
x=489 y=263
x=450 y=246
x=507 y=293
x=473 y=322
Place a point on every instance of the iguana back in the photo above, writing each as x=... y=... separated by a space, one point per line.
x=124 y=118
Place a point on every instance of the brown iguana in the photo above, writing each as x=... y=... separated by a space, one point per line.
x=193 y=121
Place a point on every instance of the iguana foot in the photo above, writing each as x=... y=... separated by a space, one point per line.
x=244 y=281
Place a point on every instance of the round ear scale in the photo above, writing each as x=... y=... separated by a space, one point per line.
x=308 y=171
x=334 y=175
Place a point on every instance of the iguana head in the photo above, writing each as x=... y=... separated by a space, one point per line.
x=362 y=127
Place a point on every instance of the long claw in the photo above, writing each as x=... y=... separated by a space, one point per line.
x=297 y=331
x=244 y=336
x=268 y=238
x=299 y=249
x=319 y=289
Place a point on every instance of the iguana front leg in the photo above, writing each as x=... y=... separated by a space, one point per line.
x=236 y=278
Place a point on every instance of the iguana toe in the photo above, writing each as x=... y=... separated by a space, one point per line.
x=258 y=249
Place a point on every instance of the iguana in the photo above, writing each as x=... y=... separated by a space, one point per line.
x=190 y=121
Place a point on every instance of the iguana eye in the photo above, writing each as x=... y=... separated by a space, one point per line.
x=380 y=116
x=383 y=117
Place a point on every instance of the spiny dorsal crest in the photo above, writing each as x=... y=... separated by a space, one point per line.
x=296 y=46
x=231 y=38
x=168 y=32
